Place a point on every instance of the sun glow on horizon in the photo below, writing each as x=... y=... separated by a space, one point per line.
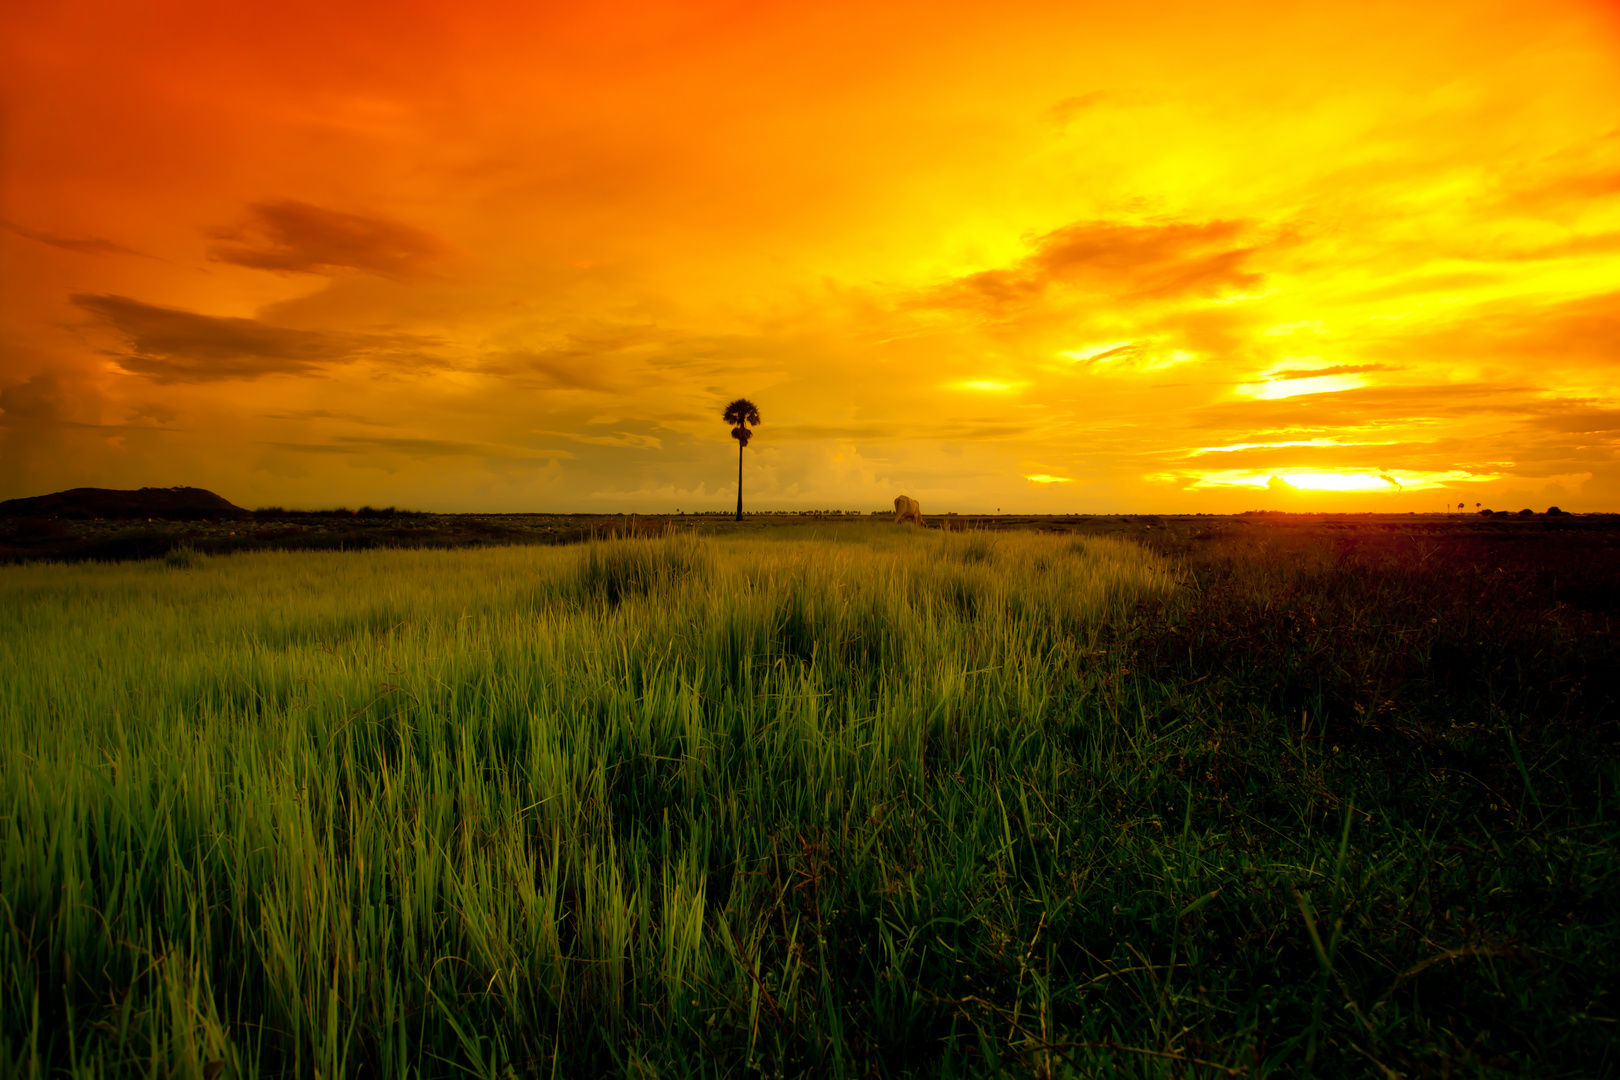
x=1348 y=480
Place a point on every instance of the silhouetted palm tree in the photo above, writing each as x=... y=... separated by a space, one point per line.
x=740 y=414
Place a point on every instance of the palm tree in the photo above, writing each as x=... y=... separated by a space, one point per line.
x=740 y=414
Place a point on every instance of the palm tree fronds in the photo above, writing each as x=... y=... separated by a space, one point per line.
x=740 y=412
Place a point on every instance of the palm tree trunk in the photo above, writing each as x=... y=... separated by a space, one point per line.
x=739 y=479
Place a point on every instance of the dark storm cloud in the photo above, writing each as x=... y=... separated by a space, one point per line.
x=173 y=346
x=295 y=237
x=1132 y=262
x=90 y=245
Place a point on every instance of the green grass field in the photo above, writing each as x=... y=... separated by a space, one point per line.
x=849 y=800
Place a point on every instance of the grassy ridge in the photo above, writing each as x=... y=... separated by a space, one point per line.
x=860 y=802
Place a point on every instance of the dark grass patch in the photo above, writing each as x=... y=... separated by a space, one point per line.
x=1438 y=698
x=62 y=540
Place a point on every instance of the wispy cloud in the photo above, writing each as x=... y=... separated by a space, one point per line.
x=417 y=448
x=89 y=245
x=1153 y=261
x=1316 y=373
x=627 y=440
x=289 y=236
x=174 y=346
x=327 y=414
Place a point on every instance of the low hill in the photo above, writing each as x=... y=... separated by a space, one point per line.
x=168 y=504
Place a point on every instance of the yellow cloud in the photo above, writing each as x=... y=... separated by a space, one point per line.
x=1341 y=480
x=1277 y=445
x=1102 y=354
x=1287 y=388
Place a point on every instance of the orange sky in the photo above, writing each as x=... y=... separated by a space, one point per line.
x=1038 y=257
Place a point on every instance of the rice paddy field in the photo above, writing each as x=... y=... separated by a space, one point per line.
x=849 y=800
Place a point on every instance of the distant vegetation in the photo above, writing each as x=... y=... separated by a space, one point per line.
x=819 y=800
x=276 y=513
x=278 y=529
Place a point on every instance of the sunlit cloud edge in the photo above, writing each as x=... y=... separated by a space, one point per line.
x=1230 y=448
x=1331 y=480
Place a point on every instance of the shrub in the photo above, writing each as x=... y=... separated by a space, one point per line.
x=611 y=570
x=42 y=529
x=182 y=557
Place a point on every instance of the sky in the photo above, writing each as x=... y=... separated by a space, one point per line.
x=1076 y=257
